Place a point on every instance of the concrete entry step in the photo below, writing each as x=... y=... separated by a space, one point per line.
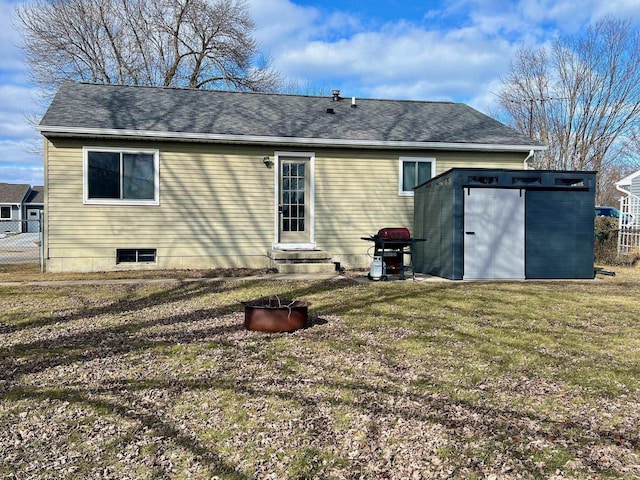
x=301 y=261
x=295 y=256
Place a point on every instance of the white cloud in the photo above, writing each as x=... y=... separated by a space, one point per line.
x=543 y=18
x=16 y=174
x=18 y=138
x=397 y=58
x=280 y=23
x=23 y=153
x=400 y=60
x=19 y=163
x=458 y=51
x=9 y=39
x=16 y=108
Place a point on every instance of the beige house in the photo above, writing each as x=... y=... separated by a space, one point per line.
x=144 y=177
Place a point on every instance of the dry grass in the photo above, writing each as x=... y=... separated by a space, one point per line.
x=30 y=272
x=393 y=380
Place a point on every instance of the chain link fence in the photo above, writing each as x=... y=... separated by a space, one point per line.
x=21 y=243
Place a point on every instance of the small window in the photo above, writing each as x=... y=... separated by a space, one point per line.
x=526 y=181
x=128 y=177
x=5 y=213
x=482 y=180
x=414 y=172
x=136 y=255
x=570 y=182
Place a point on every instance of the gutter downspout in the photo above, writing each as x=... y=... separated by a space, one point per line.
x=629 y=197
x=526 y=166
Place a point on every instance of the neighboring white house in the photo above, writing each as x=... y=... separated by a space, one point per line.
x=629 y=237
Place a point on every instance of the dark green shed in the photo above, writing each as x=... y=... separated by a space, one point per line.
x=505 y=224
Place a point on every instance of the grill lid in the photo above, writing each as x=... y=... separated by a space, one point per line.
x=399 y=233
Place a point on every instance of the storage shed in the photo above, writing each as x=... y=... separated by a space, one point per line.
x=505 y=224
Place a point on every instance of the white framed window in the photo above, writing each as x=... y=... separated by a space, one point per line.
x=116 y=176
x=414 y=171
x=5 y=213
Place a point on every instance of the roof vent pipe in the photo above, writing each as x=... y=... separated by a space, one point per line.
x=353 y=102
x=336 y=95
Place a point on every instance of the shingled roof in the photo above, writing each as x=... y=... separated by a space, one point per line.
x=222 y=116
x=13 y=193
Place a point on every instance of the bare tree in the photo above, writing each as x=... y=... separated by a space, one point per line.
x=608 y=194
x=634 y=148
x=581 y=96
x=186 y=43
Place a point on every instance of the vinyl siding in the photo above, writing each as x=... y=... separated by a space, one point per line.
x=217 y=205
x=635 y=186
x=213 y=203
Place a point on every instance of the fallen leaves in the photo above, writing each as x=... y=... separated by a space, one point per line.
x=164 y=381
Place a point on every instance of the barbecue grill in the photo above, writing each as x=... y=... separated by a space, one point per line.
x=390 y=247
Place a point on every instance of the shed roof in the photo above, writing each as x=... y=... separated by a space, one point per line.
x=223 y=116
x=13 y=193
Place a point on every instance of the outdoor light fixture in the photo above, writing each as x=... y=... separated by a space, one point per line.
x=266 y=161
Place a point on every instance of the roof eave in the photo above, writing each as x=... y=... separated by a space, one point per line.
x=271 y=140
x=626 y=181
x=25 y=195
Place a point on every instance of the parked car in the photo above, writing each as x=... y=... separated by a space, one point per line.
x=614 y=213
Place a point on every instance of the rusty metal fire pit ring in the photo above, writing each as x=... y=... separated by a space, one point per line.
x=274 y=314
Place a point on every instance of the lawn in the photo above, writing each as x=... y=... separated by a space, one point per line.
x=393 y=380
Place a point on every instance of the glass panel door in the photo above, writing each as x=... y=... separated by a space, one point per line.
x=294 y=200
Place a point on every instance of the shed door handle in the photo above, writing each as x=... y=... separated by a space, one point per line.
x=470 y=233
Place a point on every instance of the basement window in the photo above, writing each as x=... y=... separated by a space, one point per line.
x=135 y=255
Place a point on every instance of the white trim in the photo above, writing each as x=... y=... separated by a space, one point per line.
x=312 y=202
x=627 y=180
x=293 y=246
x=113 y=201
x=401 y=161
x=271 y=140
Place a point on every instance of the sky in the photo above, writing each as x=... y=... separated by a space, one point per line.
x=454 y=50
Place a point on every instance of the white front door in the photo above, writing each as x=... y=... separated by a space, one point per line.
x=494 y=234
x=295 y=200
x=33 y=217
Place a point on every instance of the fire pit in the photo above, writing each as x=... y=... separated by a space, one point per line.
x=275 y=314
